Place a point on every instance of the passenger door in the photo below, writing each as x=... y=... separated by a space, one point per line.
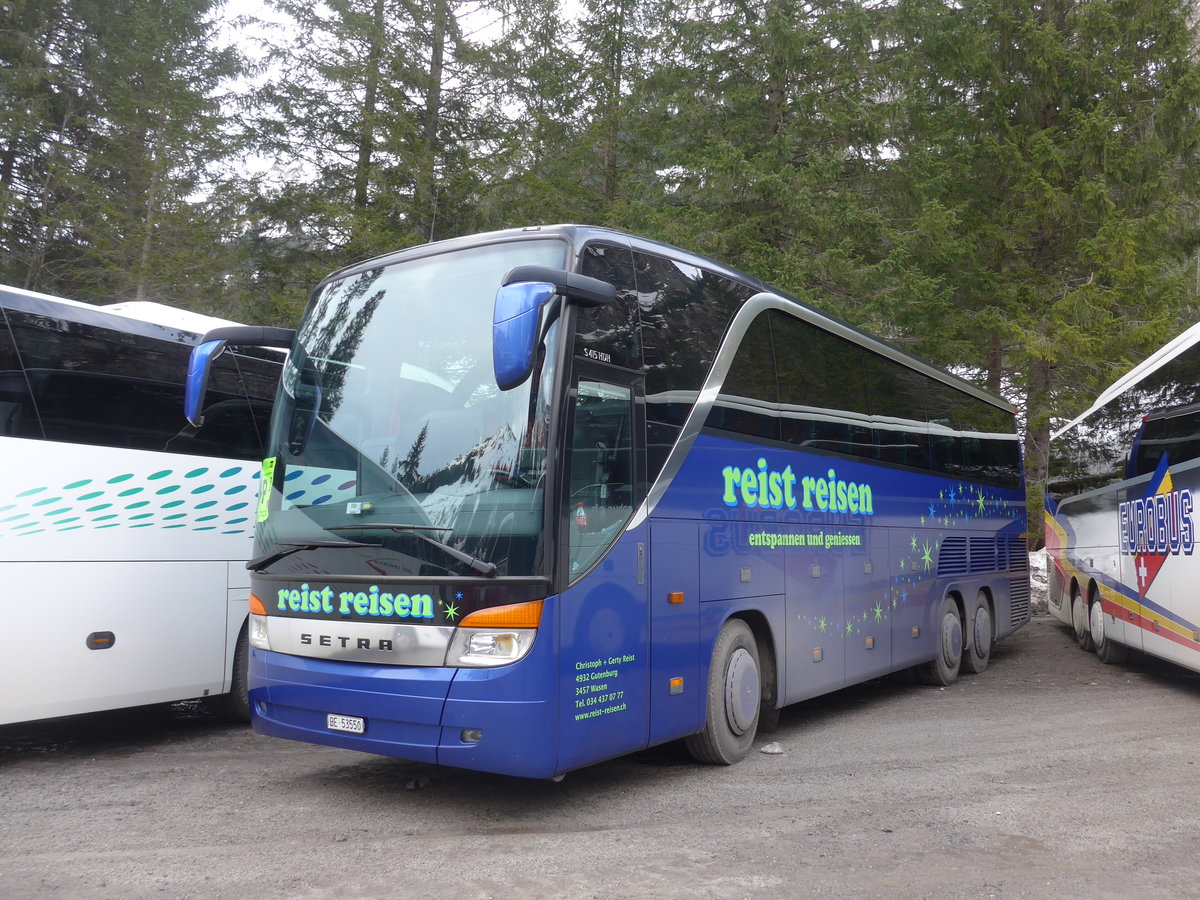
x=604 y=635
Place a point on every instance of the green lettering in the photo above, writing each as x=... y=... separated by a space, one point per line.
x=749 y=488
x=809 y=484
x=732 y=477
x=822 y=491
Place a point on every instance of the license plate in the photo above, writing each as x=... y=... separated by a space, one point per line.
x=352 y=724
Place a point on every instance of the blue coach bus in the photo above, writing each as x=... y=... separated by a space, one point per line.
x=540 y=497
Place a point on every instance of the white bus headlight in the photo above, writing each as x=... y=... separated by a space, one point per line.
x=258 y=633
x=495 y=637
x=257 y=626
x=471 y=647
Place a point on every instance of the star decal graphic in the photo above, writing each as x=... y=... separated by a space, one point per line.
x=927 y=557
x=878 y=613
x=450 y=611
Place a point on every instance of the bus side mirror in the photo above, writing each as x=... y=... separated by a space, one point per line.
x=213 y=345
x=516 y=313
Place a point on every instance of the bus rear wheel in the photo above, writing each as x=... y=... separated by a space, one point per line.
x=978 y=650
x=943 y=669
x=1079 y=622
x=1111 y=654
x=734 y=698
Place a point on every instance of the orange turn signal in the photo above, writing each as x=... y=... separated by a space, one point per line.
x=515 y=615
x=256 y=606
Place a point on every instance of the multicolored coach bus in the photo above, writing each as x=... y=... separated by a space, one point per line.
x=541 y=497
x=124 y=531
x=1120 y=522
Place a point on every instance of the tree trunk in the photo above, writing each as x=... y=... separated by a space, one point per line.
x=366 y=137
x=995 y=363
x=612 y=111
x=1037 y=445
x=427 y=196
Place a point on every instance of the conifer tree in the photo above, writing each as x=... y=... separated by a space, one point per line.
x=1044 y=182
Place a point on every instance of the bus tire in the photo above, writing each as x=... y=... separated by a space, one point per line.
x=978 y=639
x=1110 y=653
x=235 y=706
x=734 y=698
x=1079 y=621
x=943 y=669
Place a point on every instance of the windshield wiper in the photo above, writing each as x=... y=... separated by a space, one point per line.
x=483 y=568
x=257 y=565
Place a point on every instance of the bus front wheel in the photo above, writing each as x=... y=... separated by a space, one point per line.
x=235 y=706
x=734 y=698
x=943 y=669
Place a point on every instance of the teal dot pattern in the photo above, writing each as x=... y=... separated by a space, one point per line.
x=220 y=499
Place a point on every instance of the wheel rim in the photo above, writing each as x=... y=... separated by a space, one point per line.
x=982 y=637
x=951 y=639
x=1097 y=621
x=1077 y=616
x=741 y=691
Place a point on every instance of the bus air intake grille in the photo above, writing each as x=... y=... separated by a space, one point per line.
x=1018 y=555
x=983 y=554
x=952 y=557
x=1018 y=596
x=1056 y=586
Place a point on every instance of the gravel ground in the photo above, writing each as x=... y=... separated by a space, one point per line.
x=1049 y=774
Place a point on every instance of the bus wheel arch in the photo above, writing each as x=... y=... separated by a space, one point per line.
x=979 y=627
x=768 y=665
x=943 y=669
x=734 y=697
x=1110 y=652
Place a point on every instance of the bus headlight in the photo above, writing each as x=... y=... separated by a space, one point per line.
x=258 y=633
x=479 y=648
x=257 y=624
x=495 y=637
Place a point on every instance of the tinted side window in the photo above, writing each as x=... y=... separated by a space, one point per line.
x=611 y=333
x=18 y=417
x=896 y=395
x=749 y=400
x=93 y=385
x=1096 y=452
x=684 y=312
x=1177 y=436
x=822 y=391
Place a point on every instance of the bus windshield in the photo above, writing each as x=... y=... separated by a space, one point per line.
x=393 y=450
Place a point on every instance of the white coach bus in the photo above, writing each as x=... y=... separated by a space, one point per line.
x=1120 y=512
x=124 y=530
